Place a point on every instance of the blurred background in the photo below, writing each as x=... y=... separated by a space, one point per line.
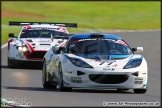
x=103 y=16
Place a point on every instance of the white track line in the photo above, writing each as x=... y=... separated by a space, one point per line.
x=4 y=45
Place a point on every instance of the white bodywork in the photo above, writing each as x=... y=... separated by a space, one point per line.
x=69 y=70
x=33 y=44
x=98 y=69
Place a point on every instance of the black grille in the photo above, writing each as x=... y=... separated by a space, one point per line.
x=36 y=55
x=44 y=44
x=108 y=78
x=29 y=40
x=33 y=44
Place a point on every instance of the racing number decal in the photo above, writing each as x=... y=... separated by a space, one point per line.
x=112 y=64
x=102 y=63
x=138 y=81
x=76 y=80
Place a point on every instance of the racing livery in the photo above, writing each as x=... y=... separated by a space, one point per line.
x=33 y=41
x=95 y=60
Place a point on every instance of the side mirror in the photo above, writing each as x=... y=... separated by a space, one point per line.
x=134 y=49
x=139 y=49
x=55 y=48
x=11 y=35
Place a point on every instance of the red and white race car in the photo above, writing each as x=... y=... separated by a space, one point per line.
x=33 y=41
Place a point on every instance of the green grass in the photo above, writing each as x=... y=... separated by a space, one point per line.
x=106 y=15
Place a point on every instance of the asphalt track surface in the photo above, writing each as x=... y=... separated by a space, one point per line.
x=27 y=83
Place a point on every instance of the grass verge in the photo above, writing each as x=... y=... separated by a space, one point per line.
x=106 y=15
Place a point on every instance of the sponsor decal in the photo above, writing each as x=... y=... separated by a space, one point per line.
x=138 y=82
x=68 y=71
x=41 y=28
x=27 y=27
x=115 y=65
x=45 y=46
x=96 y=39
x=98 y=60
x=139 y=79
x=121 y=42
x=109 y=69
x=76 y=80
x=44 y=40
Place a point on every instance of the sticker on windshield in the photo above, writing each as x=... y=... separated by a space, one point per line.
x=75 y=41
x=121 y=42
x=41 y=28
x=27 y=27
x=96 y=39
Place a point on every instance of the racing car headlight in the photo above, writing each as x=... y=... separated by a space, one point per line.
x=79 y=62
x=22 y=48
x=133 y=64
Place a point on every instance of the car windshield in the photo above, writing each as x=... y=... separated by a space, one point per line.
x=84 y=47
x=39 y=33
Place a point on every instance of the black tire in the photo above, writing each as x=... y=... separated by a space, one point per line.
x=142 y=91
x=45 y=83
x=122 y=89
x=60 y=82
x=10 y=65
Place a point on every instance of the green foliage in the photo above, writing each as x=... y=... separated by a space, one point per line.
x=106 y=15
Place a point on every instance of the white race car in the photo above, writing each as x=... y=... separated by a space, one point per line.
x=95 y=60
x=33 y=41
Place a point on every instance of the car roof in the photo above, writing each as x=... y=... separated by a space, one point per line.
x=48 y=26
x=86 y=36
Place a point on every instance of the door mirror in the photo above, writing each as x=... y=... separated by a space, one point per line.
x=139 y=49
x=11 y=35
x=134 y=49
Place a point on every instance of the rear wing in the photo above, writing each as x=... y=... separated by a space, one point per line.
x=17 y=23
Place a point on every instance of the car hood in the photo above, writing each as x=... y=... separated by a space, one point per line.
x=39 y=43
x=118 y=61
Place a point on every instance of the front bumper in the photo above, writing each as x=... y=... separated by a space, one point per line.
x=97 y=78
x=25 y=63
